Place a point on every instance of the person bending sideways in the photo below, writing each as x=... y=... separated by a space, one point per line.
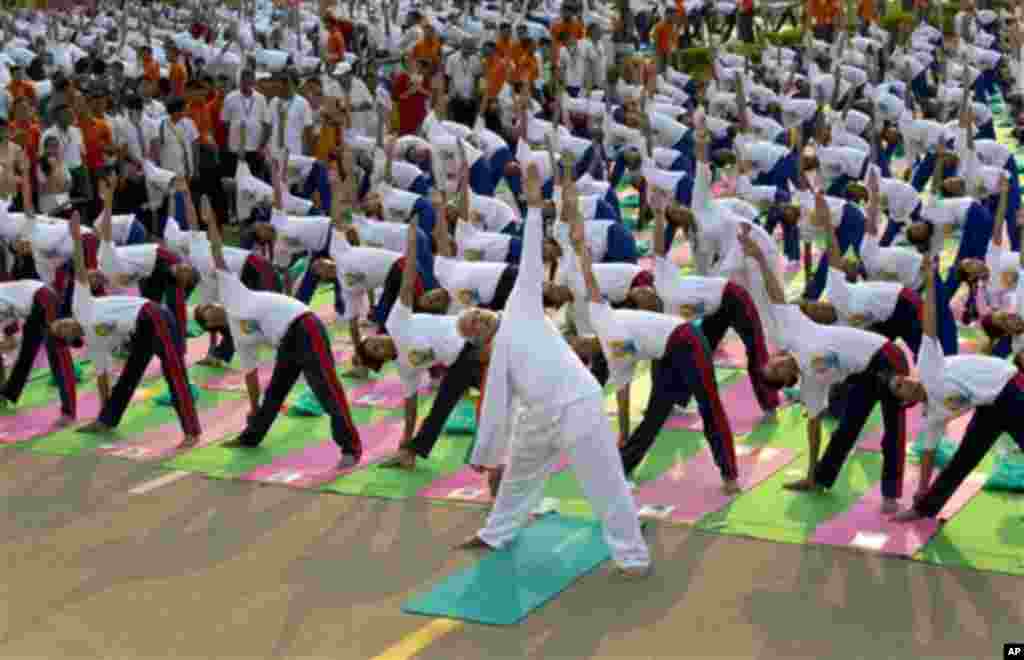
x=106 y=324
x=303 y=348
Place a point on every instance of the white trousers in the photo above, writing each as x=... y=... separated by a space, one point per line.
x=582 y=430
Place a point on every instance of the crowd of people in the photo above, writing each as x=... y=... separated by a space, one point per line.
x=465 y=210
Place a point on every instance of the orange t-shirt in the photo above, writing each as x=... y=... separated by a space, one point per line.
x=505 y=46
x=199 y=113
x=824 y=12
x=327 y=142
x=867 y=10
x=496 y=73
x=150 y=70
x=220 y=130
x=21 y=88
x=27 y=135
x=525 y=68
x=665 y=36
x=428 y=49
x=335 y=45
x=97 y=136
x=178 y=76
x=559 y=34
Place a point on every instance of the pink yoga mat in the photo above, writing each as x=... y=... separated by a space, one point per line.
x=384 y=393
x=865 y=527
x=162 y=442
x=740 y=406
x=317 y=464
x=467 y=485
x=689 y=491
x=731 y=354
x=34 y=422
x=233 y=380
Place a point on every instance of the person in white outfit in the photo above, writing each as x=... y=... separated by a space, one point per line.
x=562 y=411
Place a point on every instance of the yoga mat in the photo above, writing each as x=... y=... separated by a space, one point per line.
x=731 y=354
x=374 y=481
x=287 y=435
x=467 y=485
x=162 y=442
x=740 y=406
x=506 y=585
x=463 y=419
x=691 y=490
x=384 y=393
x=770 y=512
x=317 y=464
x=865 y=527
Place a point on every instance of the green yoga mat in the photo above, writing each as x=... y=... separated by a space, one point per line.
x=306 y=405
x=447 y=456
x=630 y=201
x=770 y=512
x=462 y=421
x=987 y=535
x=506 y=585
x=137 y=419
x=164 y=398
x=288 y=434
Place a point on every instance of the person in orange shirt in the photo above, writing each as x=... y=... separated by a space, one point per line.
x=505 y=44
x=150 y=67
x=560 y=30
x=19 y=87
x=525 y=66
x=496 y=74
x=665 y=36
x=867 y=12
x=25 y=129
x=428 y=48
x=335 y=44
x=178 y=74
x=822 y=16
x=98 y=139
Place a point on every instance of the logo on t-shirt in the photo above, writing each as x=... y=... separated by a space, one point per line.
x=859 y=320
x=690 y=312
x=467 y=297
x=474 y=255
x=887 y=276
x=622 y=348
x=249 y=327
x=355 y=279
x=826 y=362
x=421 y=357
x=104 y=329
x=958 y=401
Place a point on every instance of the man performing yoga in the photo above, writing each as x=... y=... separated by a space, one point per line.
x=259 y=318
x=564 y=411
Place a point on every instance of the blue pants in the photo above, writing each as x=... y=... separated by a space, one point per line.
x=515 y=250
x=317 y=182
x=925 y=168
x=780 y=176
x=986 y=131
x=849 y=233
x=685 y=371
x=425 y=217
x=1013 y=199
x=605 y=211
x=136 y=233
x=621 y=245
x=885 y=155
x=919 y=85
x=481 y=179
x=499 y=159
x=893 y=229
x=944 y=315
x=421 y=185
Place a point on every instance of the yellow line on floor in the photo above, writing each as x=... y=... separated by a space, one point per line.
x=420 y=639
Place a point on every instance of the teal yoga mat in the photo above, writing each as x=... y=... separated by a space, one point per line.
x=462 y=421
x=506 y=585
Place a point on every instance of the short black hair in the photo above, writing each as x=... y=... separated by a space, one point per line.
x=175 y=105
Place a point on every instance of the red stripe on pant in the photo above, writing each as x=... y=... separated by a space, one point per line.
x=309 y=321
x=171 y=260
x=701 y=358
x=420 y=289
x=175 y=368
x=47 y=299
x=898 y=360
x=768 y=396
x=911 y=297
x=90 y=248
x=262 y=266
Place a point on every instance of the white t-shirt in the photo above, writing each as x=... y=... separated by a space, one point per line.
x=469 y=284
x=864 y=304
x=1003 y=266
x=256 y=318
x=177 y=151
x=377 y=234
x=127 y=264
x=252 y=111
x=299 y=117
x=201 y=258
x=71 y=142
x=957 y=383
x=107 y=323
x=629 y=336
x=496 y=214
x=358 y=271
x=52 y=247
x=397 y=205
x=422 y=341
x=298 y=234
x=476 y=245
x=613 y=280
x=17 y=299
x=826 y=354
x=891 y=264
x=689 y=297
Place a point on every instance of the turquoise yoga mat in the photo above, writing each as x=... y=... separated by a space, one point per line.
x=506 y=585
x=462 y=421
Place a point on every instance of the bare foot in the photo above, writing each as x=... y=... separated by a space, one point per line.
x=890 y=505
x=910 y=515
x=94 y=427
x=473 y=543
x=803 y=486
x=632 y=572
x=189 y=441
x=731 y=487
x=405 y=459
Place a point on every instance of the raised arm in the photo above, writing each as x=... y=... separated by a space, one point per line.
x=527 y=294
x=940 y=166
x=660 y=244
x=871 y=221
x=443 y=241
x=216 y=245
x=106 y=190
x=1000 y=219
x=191 y=217
x=776 y=294
x=928 y=307
x=278 y=170
x=75 y=228
x=407 y=294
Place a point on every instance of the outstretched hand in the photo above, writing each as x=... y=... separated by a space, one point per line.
x=749 y=245
x=534 y=196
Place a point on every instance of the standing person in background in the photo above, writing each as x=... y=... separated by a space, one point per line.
x=745 y=20
x=291 y=121
x=665 y=36
x=245 y=113
x=428 y=49
x=463 y=69
x=411 y=89
x=823 y=16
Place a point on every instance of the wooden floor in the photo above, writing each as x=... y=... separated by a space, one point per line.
x=198 y=568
